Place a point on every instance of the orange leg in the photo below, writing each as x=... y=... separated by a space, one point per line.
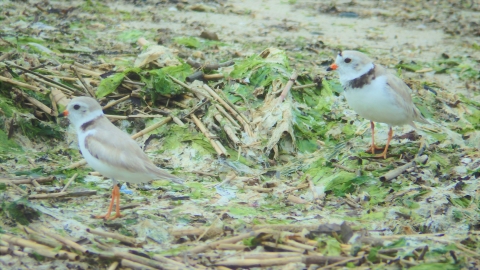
x=117 y=205
x=373 y=147
x=116 y=198
x=390 y=135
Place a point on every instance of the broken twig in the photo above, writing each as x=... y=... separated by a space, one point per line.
x=69 y=182
x=122 y=238
x=63 y=194
x=397 y=171
x=288 y=86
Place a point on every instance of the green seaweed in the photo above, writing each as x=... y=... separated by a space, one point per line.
x=109 y=85
x=159 y=83
x=190 y=42
x=436 y=266
x=8 y=146
x=20 y=211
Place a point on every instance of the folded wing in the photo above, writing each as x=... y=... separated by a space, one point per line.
x=403 y=96
x=115 y=147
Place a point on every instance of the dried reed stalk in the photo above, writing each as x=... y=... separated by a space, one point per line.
x=215 y=143
x=122 y=238
x=234 y=112
x=64 y=240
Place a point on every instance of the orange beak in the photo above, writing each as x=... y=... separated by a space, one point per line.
x=63 y=114
x=332 y=67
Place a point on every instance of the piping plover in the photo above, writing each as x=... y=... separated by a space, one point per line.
x=109 y=150
x=375 y=94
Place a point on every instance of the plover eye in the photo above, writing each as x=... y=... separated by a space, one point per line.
x=76 y=107
x=347 y=60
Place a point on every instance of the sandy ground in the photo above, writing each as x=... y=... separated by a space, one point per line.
x=383 y=28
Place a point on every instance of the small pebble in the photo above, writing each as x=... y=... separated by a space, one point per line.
x=348 y=14
x=461 y=170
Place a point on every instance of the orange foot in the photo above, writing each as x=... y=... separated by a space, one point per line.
x=116 y=198
x=384 y=153
x=373 y=148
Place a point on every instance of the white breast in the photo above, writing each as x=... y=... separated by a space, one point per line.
x=375 y=102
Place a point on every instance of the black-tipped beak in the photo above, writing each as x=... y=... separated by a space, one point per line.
x=332 y=67
x=63 y=114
